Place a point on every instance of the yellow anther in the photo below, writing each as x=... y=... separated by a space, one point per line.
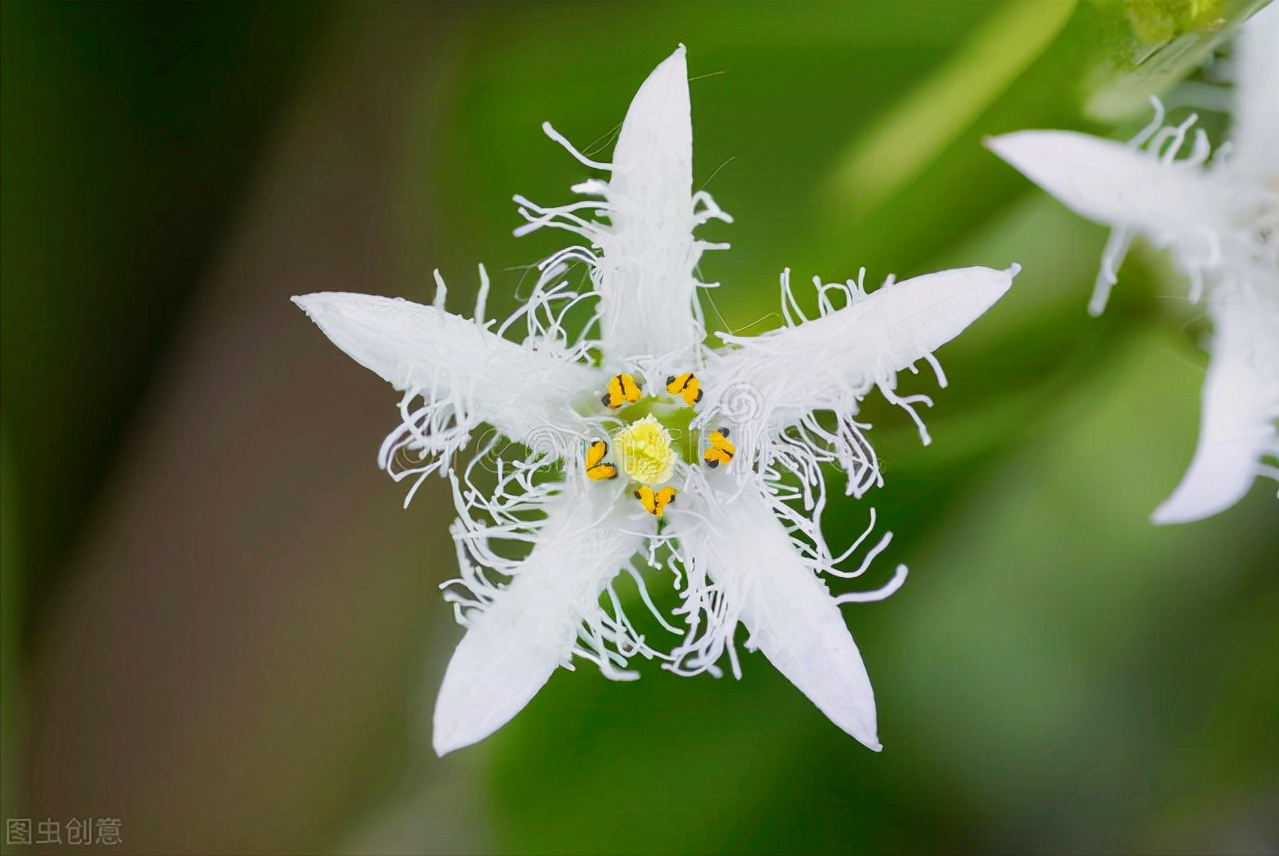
x=655 y=502
x=646 y=453
x=595 y=468
x=622 y=389
x=719 y=449
x=686 y=386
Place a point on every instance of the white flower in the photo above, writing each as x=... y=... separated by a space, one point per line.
x=1221 y=224
x=633 y=447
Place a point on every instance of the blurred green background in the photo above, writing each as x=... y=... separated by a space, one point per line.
x=219 y=625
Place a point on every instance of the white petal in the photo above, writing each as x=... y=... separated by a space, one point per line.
x=653 y=159
x=1256 y=121
x=1240 y=404
x=791 y=616
x=414 y=347
x=829 y=362
x=511 y=649
x=646 y=283
x=1117 y=185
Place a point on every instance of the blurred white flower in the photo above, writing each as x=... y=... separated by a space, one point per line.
x=1220 y=221
x=638 y=445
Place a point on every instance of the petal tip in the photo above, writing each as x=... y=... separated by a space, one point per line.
x=857 y=728
x=998 y=145
x=452 y=728
x=1163 y=516
x=314 y=305
x=446 y=739
x=1176 y=510
x=1035 y=153
x=1197 y=498
x=321 y=301
x=673 y=70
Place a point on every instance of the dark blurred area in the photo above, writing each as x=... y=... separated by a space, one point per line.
x=220 y=627
x=130 y=135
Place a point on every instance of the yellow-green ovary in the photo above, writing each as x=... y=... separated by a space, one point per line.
x=645 y=450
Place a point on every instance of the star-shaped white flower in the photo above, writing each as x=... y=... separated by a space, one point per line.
x=1221 y=224
x=634 y=447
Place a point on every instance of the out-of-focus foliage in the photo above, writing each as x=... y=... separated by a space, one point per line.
x=1057 y=674
x=128 y=135
x=10 y=642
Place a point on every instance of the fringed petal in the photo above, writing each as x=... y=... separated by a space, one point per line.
x=518 y=634
x=648 y=299
x=642 y=260
x=1112 y=183
x=456 y=366
x=757 y=576
x=1175 y=204
x=1240 y=406
x=770 y=382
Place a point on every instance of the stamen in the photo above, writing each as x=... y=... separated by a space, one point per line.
x=686 y=386
x=622 y=389
x=655 y=502
x=719 y=449
x=596 y=469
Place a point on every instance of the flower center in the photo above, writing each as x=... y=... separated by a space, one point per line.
x=646 y=452
x=645 y=448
